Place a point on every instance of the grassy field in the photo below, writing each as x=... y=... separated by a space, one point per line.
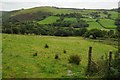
x=44 y=9
x=19 y=62
x=70 y=19
x=94 y=25
x=114 y=15
x=49 y=20
x=103 y=15
x=89 y=19
x=108 y=23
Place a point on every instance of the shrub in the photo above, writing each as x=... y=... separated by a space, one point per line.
x=74 y=59
x=46 y=46
x=95 y=33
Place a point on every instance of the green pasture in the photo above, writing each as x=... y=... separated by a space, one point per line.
x=19 y=62
x=49 y=20
x=108 y=23
x=94 y=25
x=70 y=19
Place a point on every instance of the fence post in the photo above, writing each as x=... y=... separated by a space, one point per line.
x=110 y=59
x=89 y=59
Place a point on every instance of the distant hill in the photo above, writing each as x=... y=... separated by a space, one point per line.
x=42 y=12
x=50 y=18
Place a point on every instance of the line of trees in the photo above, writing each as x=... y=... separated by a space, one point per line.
x=32 y=27
x=78 y=24
x=70 y=15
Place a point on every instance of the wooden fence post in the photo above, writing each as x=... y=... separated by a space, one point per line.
x=89 y=59
x=110 y=60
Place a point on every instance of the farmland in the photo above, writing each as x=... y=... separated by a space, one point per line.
x=51 y=15
x=19 y=62
x=39 y=42
x=71 y=19
x=107 y=23
x=49 y=20
x=94 y=25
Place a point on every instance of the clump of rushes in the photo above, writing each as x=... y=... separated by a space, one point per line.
x=46 y=46
x=64 y=51
x=35 y=54
x=56 y=56
x=74 y=59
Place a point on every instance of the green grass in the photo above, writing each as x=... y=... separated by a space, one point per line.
x=44 y=9
x=49 y=20
x=19 y=62
x=114 y=14
x=87 y=11
x=94 y=25
x=89 y=19
x=70 y=19
x=54 y=10
x=108 y=23
x=102 y=15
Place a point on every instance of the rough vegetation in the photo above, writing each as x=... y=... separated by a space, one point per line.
x=18 y=49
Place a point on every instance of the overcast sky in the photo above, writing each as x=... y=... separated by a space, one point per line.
x=8 y=5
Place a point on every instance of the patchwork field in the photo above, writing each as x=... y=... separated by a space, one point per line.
x=19 y=61
x=114 y=15
x=108 y=23
x=94 y=25
x=70 y=19
x=89 y=19
x=50 y=12
x=49 y=20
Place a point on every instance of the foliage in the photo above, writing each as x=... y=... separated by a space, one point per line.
x=105 y=12
x=75 y=59
x=95 y=14
x=60 y=24
x=95 y=33
x=70 y=15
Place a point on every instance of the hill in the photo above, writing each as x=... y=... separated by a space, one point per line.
x=37 y=12
x=56 y=10
x=45 y=18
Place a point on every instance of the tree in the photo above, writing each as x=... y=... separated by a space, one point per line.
x=110 y=33
x=105 y=12
x=95 y=14
x=95 y=33
x=109 y=15
x=61 y=32
x=80 y=32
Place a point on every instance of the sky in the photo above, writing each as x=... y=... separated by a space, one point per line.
x=8 y=5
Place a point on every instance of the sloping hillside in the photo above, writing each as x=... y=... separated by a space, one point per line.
x=58 y=17
x=37 y=13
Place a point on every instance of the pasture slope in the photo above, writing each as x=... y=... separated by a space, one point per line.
x=49 y=20
x=51 y=12
x=19 y=62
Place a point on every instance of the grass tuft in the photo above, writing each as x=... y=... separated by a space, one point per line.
x=74 y=59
